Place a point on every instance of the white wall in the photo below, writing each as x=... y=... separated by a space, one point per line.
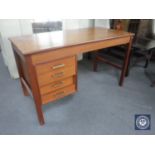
x=26 y=26
x=102 y=23
x=77 y=23
x=10 y=28
x=70 y=24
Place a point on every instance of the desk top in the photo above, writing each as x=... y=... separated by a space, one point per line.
x=31 y=44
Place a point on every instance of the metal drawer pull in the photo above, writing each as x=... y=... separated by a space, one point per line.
x=58 y=84
x=57 y=75
x=59 y=94
x=58 y=66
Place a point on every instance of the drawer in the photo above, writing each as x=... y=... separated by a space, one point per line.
x=55 y=65
x=58 y=94
x=55 y=76
x=56 y=85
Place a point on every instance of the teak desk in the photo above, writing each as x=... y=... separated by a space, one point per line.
x=47 y=63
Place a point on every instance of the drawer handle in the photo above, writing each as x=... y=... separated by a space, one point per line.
x=58 y=84
x=57 y=75
x=59 y=94
x=58 y=66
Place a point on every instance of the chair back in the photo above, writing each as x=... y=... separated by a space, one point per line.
x=134 y=26
x=145 y=28
x=142 y=28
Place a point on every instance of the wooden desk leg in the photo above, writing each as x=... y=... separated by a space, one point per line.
x=128 y=67
x=126 y=63
x=35 y=90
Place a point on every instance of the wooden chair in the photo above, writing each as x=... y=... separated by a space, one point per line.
x=142 y=47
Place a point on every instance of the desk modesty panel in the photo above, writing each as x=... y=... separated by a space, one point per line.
x=47 y=62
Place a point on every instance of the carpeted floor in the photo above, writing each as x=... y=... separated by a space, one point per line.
x=99 y=107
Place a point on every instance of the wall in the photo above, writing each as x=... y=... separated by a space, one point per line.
x=10 y=28
x=102 y=23
x=77 y=23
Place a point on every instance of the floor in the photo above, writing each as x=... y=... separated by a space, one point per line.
x=99 y=107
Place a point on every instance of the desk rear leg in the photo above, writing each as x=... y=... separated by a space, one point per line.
x=126 y=63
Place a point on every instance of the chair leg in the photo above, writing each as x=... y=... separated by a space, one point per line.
x=146 y=63
x=127 y=72
x=89 y=56
x=148 y=57
x=153 y=84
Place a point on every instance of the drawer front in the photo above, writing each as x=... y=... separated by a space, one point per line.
x=58 y=94
x=56 y=85
x=55 y=76
x=55 y=65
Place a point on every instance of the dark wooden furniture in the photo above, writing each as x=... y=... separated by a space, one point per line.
x=47 y=62
x=144 y=41
x=141 y=48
